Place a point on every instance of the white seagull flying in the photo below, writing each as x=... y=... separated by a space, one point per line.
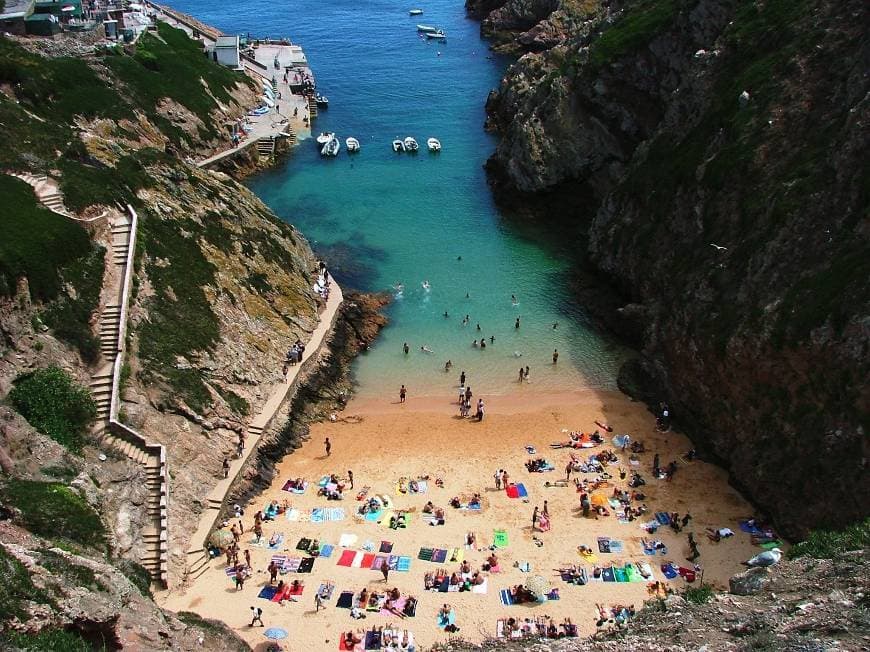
x=719 y=247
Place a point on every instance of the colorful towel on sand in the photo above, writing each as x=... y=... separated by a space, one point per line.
x=292 y=565
x=603 y=544
x=346 y=558
x=367 y=560
x=326 y=550
x=404 y=564
x=327 y=514
x=347 y=540
x=325 y=591
x=304 y=544
x=500 y=538
x=608 y=575
x=294 y=490
x=378 y=562
x=512 y=491
x=374 y=517
x=277 y=543
x=306 y=566
x=267 y=592
x=373 y=640
x=480 y=588
x=425 y=554
x=663 y=517
x=620 y=574
x=645 y=573
x=506 y=598
x=439 y=555
x=615 y=546
x=292 y=514
x=386 y=546
x=358 y=559
x=669 y=571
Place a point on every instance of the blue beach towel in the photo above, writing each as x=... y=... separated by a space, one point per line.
x=506 y=597
x=404 y=564
x=374 y=517
x=267 y=592
x=607 y=575
x=521 y=490
x=669 y=571
x=326 y=550
x=663 y=518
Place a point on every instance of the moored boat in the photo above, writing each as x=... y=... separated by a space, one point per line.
x=426 y=29
x=410 y=144
x=322 y=101
x=434 y=145
x=324 y=137
x=331 y=147
x=398 y=146
x=415 y=12
x=352 y=144
x=437 y=34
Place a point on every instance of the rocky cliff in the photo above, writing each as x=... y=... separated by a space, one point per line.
x=720 y=148
x=222 y=288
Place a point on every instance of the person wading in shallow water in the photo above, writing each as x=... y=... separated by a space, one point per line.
x=555 y=356
x=402 y=393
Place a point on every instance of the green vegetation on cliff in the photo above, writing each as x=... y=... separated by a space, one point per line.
x=54 y=511
x=54 y=404
x=826 y=544
x=641 y=22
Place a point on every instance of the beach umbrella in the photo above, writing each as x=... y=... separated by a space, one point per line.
x=598 y=500
x=275 y=633
x=539 y=586
x=221 y=538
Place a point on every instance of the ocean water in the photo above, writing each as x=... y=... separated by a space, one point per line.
x=382 y=219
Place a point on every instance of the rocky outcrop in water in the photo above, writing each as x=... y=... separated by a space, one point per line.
x=722 y=146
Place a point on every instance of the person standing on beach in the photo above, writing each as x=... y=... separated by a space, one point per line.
x=350 y=478
x=318 y=602
x=534 y=518
x=480 y=409
x=568 y=468
x=256 y=616
x=462 y=379
x=385 y=571
x=226 y=466
x=526 y=374
x=328 y=446
x=521 y=375
x=273 y=572
x=555 y=356
x=468 y=393
x=546 y=510
x=402 y=393
x=498 y=479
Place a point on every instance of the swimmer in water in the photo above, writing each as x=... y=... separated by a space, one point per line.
x=425 y=285
x=514 y=299
x=474 y=344
x=446 y=315
x=459 y=258
x=448 y=365
x=555 y=325
x=425 y=349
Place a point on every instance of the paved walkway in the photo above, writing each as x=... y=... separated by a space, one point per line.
x=258 y=425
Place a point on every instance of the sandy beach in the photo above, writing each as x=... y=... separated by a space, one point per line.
x=381 y=441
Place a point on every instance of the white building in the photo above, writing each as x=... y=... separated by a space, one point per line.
x=226 y=51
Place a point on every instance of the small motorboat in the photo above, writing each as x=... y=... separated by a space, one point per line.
x=426 y=286
x=324 y=137
x=427 y=29
x=331 y=147
x=438 y=34
x=411 y=145
x=352 y=144
x=322 y=101
x=415 y=12
x=398 y=146
x=260 y=110
x=434 y=145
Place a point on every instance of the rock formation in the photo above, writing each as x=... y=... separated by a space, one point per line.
x=719 y=148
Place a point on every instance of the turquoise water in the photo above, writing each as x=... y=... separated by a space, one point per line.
x=381 y=218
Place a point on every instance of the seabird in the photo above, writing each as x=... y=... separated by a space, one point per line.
x=718 y=247
x=766 y=558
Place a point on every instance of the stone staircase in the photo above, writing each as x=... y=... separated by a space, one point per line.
x=46 y=191
x=312 y=107
x=113 y=435
x=266 y=147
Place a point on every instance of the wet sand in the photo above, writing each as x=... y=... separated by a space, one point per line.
x=380 y=441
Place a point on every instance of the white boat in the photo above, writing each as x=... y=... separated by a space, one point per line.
x=434 y=145
x=415 y=12
x=352 y=144
x=322 y=101
x=398 y=146
x=427 y=29
x=331 y=147
x=438 y=34
x=411 y=145
x=324 y=137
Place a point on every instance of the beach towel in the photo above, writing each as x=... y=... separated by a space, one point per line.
x=663 y=517
x=347 y=540
x=603 y=544
x=524 y=566
x=745 y=526
x=591 y=557
x=615 y=546
x=614 y=503
x=346 y=558
x=521 y=490
x=279 y=559
x=439 y=555
x=404 y=564
x=506 y=598
x=425 y=554
x=449 y=620
x=770 y=545
x=292 y=514
x=512 y=491
x=608 y=575
x=277 y=543
x=306 y=566
x=480 y=588
x=292 y=565
x=294 y=490
x=334 y=514
x=386 y=546
x=500 y=538
x=619 y=574
x=457 y=555
x=669 y=571
x=393 y=562
x=304 y=544
x=553 y=595
x=688 y=574
x=326 y=550
x=342 y=645
x=295 y=591
x=374 y=517
x=444 y=586
x=317 y=515
x=373 y=640
x=630 y=572
x=378 y=562
x=358 y=559
x=345 y=600
x=267 y=592
x=367 y=560
x=325 y=591
x=645 y=572
x=323 y=481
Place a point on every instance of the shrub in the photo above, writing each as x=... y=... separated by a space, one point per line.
x=50 y=640
x=16 y=588
x=55 y=405
x=699 y=594
x=54 y=511
x=137 y=574
x=825 y=544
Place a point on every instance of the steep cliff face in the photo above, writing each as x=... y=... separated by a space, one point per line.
x=725 y=143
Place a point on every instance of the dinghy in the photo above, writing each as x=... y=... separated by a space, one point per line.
x=331 y=147
x=411 y=144
x=434 y=145
x=398 y=146
x=352 y=144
